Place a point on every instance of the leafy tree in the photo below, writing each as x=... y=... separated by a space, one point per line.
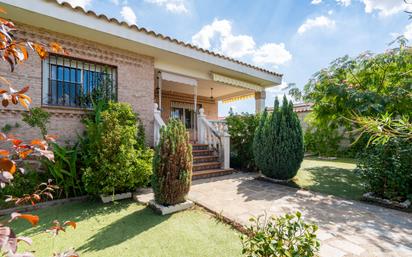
x=172 y=165
x=278 y=143
x=367 y=85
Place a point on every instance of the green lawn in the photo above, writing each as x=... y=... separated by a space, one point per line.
x=130 y=229
x=335 y=177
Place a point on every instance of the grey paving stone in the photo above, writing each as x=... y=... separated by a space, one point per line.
x=354 y=228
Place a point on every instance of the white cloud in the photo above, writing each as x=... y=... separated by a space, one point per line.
x=278 y=89
x=237 y=46
x=203 y=38
x=116 y=2
x=128 y=15
x=272 y=53
x=81 y=3
x=219 y=36
x=174 y=6
x=318 y=22
x=408 y=32
x=316 y=1
x=386 y=7
x=344 y=2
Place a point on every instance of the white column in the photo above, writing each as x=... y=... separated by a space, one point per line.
x=226 y=148
x=260 y=98
x=159 y=86
x=200 y=126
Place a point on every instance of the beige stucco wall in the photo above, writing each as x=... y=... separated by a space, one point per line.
x=135 y=83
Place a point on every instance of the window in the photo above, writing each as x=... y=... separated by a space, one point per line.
x=74 y=83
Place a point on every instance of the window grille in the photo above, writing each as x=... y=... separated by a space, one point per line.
x=73 y=82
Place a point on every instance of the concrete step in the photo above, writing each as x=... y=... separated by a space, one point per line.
x=202 y=152
x=206 y=166
x=200 y=146
x=211 y=173
x=206 y=158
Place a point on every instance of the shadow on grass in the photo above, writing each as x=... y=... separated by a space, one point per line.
x=122 y=230
x=334 y=181
x=72 y=211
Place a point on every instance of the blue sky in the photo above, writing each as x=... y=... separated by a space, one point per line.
x=293 y=37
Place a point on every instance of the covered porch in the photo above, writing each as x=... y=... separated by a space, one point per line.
x=195 y=101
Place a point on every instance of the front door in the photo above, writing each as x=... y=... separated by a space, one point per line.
x=187 y=116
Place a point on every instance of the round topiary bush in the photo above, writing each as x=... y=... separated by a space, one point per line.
x=172 y=165
x=278 y=144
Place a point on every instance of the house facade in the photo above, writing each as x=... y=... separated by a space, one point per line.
x=160 y=77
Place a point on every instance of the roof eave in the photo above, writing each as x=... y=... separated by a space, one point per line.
x=103 y=24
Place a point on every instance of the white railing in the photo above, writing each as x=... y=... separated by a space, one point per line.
x=219 y=125
x=158 y=123
x=214 y=134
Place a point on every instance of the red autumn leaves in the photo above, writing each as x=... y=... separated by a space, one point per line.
x=21 y=150
x=15 y=52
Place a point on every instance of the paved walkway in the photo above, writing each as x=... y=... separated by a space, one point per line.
x=346 y=228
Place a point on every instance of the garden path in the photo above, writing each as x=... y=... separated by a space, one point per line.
x=346 y=228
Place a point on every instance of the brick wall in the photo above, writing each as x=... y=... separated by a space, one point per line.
x=210 y=106
x=135 y=83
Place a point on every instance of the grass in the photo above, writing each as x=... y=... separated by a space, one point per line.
x=334 y=177
x=130 y=229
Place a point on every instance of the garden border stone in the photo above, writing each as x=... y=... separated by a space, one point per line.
x=42 y=205
x=388 y=203
x=164 y=210
x=273 y=180
x=116 y=197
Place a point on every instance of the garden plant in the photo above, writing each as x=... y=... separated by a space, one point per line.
x=278 y=143
x=113 y=159
x=15 y=52
x=282 y=236
x=242 y=129
x=172 y=165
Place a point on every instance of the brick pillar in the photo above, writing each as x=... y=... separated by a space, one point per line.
x=260 y=98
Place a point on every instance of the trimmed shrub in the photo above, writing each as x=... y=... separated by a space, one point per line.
x=278 y=143
x=242 y=131
x=288 y=235
x=386 y=169
x=172 y=165
x=114 y=160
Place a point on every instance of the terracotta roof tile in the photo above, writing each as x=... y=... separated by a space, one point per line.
x=161 y=36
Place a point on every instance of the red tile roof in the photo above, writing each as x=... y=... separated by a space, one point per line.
x=161 y=36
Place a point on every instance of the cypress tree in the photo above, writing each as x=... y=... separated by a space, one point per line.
x=278 y=144
x=172 y=165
